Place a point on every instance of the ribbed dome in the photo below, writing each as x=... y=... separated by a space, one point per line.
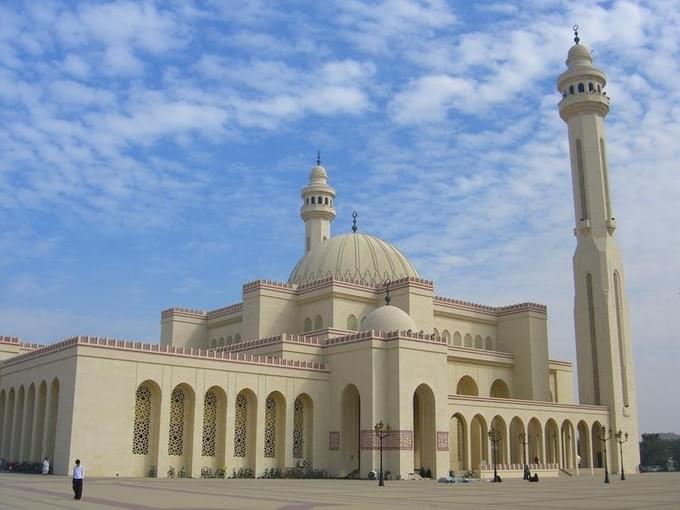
x=356 y=256
x=579 y=55
x=388 y=318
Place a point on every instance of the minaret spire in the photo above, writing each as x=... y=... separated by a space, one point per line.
x=603 y=341
x=318 y=206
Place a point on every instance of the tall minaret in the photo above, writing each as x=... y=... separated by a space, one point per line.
x=603 y=344
x=318 y=207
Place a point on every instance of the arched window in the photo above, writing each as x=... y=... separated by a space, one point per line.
x=213 y=343
x=318 y=322
x=312 y=200
x=237 y=338
x=352 y=323
x=230 y=340
x=590 y=87
x=298 y=429
x=221 y=341
x=457 y=339
x=468 y=340
x=581 y=87
x=488 y=343
x=270 y=427
x=140 y=437
x=320 y=200
x=499 y=389
x=326 y=200
x=571 y=90
x=467 y=386
x=307 y=201
x=241 y=426
x=176 y=435
x=308 y=325
x=599 y=89
x=478 y=342
x=446 y=336
x=209 y=424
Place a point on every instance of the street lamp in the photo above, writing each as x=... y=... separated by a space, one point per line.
x=604 y=438
x=621 y=438
x=494 y=436
x=382 y=431
x=524 y=440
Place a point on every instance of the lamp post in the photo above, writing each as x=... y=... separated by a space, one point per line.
x=524 y=440
x=382 y=431
x=604 y=438
x=621 y=438
x=494 y=436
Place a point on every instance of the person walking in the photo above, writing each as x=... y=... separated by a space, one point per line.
x=45 y=466
x=78 y=475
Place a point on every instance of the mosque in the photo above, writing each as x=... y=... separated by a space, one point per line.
x=299 y=372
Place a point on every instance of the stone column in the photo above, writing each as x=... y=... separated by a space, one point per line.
x=163 y=459
x=196 y=440
x=259 y=460
x=47 y=425
x=288 y=440
x=229 y=428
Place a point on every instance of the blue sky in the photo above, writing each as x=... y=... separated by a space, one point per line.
x=153 y=153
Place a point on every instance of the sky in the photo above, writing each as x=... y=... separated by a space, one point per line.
x=152 y=155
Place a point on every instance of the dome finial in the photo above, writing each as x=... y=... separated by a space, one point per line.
x=576 y=37
x=318 y=158
x=387 y=284
x=354 y=222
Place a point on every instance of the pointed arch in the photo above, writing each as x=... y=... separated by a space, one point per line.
x=518 y=453
x=3 y=411
x=479 y=344
x=274 y=429
x=583 y=445
x=499 y=389
x=446 y=336
x=552 y=442
x=535 y=438
x=468 y=340
x=498 y=424
x=467 y=386
x=245 y=420
x=352 y=323
x=318 y=322
x=598 y=455
x=488 y=343
x=457 y=339
x=351 y=429
x=458 y=443
x=424 y=429
x=214 y=426
x=181 y=427
x=479 y=441
x=303 y=428
x=53 y=416
x=9 y=423
x=27 y=437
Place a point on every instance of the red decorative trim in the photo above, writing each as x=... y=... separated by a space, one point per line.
x=496 y=310
x=334 y=440
x=101 y=342
x=442 y=441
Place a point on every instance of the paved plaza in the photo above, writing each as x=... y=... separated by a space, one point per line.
x=654 y=491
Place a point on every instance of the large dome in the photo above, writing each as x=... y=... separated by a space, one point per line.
x=356 y=256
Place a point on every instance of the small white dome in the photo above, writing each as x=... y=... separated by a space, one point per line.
x=579 y=55
x=388 y=318
x=318 y=172
x=353 y=256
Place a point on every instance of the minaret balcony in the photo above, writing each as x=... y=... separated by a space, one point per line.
x=584 y=102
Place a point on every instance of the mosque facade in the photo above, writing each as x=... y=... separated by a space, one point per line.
x=299 y=372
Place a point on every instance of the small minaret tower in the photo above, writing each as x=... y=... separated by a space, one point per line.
x=603 y=343
x=318 y=207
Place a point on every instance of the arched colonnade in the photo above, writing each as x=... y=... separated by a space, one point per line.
x=209 y=431
x=562 y=443
x=28 y=421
